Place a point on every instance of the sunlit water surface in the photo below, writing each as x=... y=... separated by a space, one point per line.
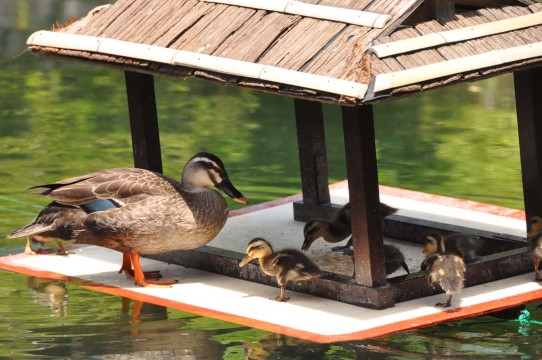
x=61 y=119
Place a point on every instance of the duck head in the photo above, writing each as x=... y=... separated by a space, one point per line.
x=257 y=248
x=433 y=244
x=313 y=230
x=206 y=169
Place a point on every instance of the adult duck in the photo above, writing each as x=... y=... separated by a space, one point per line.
x=148 y=213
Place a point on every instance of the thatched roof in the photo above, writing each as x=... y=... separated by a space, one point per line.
x=328 y=50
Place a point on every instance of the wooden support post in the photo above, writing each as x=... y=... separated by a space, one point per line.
x=143 y=121
x=528 y=89
x=361 y=166
x=313 y=161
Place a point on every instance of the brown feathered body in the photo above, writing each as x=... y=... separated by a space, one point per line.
x=54 y=222
x=137 y=211
x=151 y=213
x=155 y=213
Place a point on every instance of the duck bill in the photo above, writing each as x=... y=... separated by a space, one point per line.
x=245 y=261
x=231 y=191
x=306 y=244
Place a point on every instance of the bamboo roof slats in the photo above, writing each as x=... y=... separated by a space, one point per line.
x=349 y=4
x=324 y=12
x=302 y=55
x=201 y=61
x=184 y=18
x=255 y=36
x=298 y=45
x=455 y=66
x=459 y=34
x=333 y=60
x=206 y=39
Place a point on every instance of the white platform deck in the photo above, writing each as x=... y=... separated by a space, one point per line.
x=304 y=316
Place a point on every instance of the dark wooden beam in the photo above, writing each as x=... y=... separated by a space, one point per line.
x=311 y=142
x=143 y=121
x=361 y=166
x=528 y=90
x=331 y=286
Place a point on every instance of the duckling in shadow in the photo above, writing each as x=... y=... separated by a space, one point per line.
x=535 y=240
x=394 y=259
x=468 y=247
x=285 y=265
x=339 y=228
x=336 y=230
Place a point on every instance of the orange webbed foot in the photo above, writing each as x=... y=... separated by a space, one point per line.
x=140 y=278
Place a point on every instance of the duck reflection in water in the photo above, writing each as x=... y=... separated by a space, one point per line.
x=49 y=293
x=274 y=346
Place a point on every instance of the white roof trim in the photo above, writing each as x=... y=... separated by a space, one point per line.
x=463 y=34
x=196 y=60
x=344 y=15
x=456 y=66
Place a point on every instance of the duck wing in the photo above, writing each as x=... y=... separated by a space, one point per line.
x=124 y=185
x=300 y=266
x=54 y=220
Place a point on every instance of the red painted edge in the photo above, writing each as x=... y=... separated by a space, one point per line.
x=402 y=193
x=423 y=321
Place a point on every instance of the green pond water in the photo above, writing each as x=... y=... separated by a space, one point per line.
x=62 y=119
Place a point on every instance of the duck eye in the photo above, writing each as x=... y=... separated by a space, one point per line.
x=206 y=164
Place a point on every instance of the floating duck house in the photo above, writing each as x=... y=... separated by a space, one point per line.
x=350 y=53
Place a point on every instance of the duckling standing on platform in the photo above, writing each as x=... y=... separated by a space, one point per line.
x=336 y=230
x=285 y=265
x=394 y=259
x=147 y=212
x=446 y=270
x=466 y=246
x=535 y=239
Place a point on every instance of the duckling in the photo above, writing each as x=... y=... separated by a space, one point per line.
x=336 y=230
x=286 y=265
x=149 y=213
x=446 y=270
x=394 y=259
x=535 y=240
x=466 y=246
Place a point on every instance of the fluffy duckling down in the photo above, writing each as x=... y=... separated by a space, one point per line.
x=535 y=240
x=468 y=247
x=336 y=230
x=446 y=270
x=285 y=265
